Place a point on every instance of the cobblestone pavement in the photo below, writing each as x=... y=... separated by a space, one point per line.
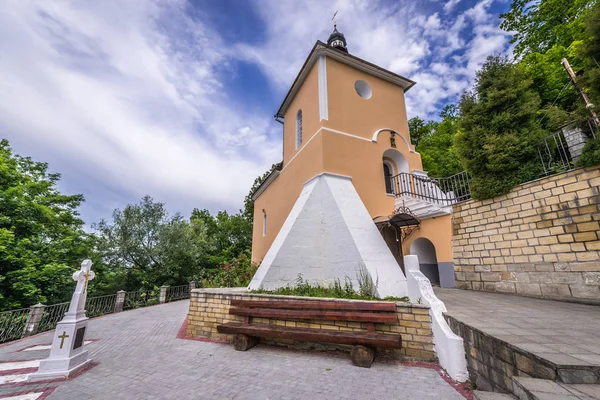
x=140 y=358
x=564 y=333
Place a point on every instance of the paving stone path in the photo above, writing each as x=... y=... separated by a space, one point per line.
x=563 y=333
x=140 y=358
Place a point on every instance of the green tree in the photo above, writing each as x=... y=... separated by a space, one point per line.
x=545 y=32
x=499 y=129
x=144 y=247
x=541 y=24
x=229 y=235
x=590 y=82
x=420 y=129
x=437 y=149
x=589 y=52
x=41 y=235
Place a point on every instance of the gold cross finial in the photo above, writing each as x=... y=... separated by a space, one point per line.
x=334 y=19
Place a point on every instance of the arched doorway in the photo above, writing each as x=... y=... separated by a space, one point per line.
x=394 y=163
x=425 y=250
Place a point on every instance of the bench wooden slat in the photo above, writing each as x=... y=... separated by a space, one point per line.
x=318 y=305
x=383 y=318
x=313 y=335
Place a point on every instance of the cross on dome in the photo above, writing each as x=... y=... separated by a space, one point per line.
x=337 y=39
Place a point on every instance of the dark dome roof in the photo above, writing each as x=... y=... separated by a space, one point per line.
x=337 y=37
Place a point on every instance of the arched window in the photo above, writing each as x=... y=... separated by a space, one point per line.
x=387 y=175
x=299 y=129
x=264 y=223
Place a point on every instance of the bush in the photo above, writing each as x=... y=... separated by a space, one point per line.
x=237 y=273
x=336 y=290
x=590 y=154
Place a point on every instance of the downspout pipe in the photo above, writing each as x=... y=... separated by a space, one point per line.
x=278 y=118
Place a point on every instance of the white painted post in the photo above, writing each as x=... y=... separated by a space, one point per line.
x=448 y=346
x=120 y=301
x=192 y=285
x=163 y=294
x=33 y=321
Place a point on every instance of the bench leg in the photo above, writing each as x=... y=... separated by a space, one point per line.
x=362 y=356
x=244 y=342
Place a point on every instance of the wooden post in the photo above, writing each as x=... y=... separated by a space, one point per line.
x=586 y=100
x=244 y=342
x=33 y=321
x=120 y=301
x=362 y=356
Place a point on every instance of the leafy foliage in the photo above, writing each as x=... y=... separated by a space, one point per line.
x=419 y=129
x=144 y=247
x=591 y=154
x=41 y=235
x=499 y=129
x=337 y=290
x=541 y=24
x=589 y=51
x=237 y=273
x=437 y=148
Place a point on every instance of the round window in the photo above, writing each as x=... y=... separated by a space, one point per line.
x=363 y=89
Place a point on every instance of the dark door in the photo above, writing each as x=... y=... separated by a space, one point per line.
x=392 y=239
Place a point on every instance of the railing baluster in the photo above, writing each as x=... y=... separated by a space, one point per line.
x=444 y=191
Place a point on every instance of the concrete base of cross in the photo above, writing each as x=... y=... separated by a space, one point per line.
x=67 y=354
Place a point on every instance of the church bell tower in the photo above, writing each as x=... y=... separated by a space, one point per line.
x=345 y=146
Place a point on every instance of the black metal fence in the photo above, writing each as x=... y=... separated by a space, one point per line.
x=15 y=324
x=559 y=151
x=178 y=293
x=442 y=191
x=141 y=298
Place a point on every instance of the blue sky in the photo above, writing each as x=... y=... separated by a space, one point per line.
x=175 y=98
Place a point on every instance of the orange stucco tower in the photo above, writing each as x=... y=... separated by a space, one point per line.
x=350 y=192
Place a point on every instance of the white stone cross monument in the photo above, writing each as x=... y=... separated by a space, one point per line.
x=67 y=354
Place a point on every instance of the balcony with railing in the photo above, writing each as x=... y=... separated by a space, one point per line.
x=430 y=197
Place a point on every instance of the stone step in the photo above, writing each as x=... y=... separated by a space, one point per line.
x=542 y=389
x=480 y=395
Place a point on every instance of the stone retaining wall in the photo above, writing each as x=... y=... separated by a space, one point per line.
x=492 y=362
x=540 y=240
x=210 y=307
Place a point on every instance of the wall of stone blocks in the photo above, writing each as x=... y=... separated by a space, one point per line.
x=541 y=240
x=492 y=362
x=210 y=307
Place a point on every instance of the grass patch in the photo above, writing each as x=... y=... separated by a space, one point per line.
x=367 y=290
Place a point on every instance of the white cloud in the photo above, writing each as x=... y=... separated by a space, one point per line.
x=122 y=108
x=128 y=98
x=450 y=4
x=400 y=37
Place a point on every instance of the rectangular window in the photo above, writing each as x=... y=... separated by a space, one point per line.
x=264 y=224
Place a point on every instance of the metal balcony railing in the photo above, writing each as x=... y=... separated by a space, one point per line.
x=442 y=191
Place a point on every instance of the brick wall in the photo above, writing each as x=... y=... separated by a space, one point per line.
x=539 y=240
x=210 y=307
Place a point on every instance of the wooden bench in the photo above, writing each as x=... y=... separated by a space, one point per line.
x=246 y=334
